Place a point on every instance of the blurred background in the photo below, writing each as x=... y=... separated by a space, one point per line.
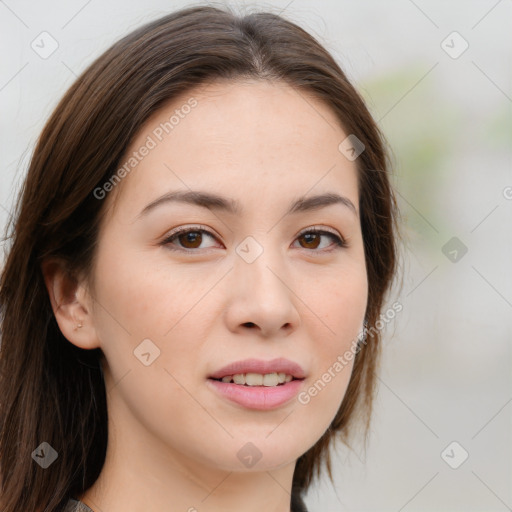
x=437 y=77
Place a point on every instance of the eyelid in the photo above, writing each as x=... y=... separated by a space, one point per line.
x=185 y=229
x=191 y=227
x=339 y=240
x=319 y=229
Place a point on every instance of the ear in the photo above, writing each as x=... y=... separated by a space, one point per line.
x=71 y=304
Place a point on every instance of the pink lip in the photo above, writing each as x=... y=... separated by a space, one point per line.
x=257 y=397
x=280 y=365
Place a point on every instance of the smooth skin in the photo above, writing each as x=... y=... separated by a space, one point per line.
x=173 y=441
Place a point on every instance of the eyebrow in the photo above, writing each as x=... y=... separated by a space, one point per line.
x=216 y=202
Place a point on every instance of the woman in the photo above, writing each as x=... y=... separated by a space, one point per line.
x=202 y=247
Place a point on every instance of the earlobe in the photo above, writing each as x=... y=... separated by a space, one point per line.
x=70 y=306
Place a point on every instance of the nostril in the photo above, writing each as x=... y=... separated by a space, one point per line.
x=249 y=324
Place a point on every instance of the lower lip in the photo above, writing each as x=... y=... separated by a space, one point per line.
x=257 y=397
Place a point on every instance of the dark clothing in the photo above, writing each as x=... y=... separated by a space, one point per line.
x=77 y=506
x=298 y=504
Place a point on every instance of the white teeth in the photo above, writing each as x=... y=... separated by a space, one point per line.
x=257 y=379
x=270 y=379
x=239 y=378
x=254 y=379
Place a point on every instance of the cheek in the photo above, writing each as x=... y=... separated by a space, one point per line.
x=337 y=305
x=142 y=298
x=144 y=295
x=337 y=299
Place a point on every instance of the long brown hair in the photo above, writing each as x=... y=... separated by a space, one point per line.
x=52 y=391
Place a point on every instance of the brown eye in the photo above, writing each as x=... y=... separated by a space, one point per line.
x=191 y=239
x=188 y=239
x=312 y=240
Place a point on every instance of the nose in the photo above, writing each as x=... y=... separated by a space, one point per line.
x=261 y=298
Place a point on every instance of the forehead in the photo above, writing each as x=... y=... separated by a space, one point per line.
x=250 y=138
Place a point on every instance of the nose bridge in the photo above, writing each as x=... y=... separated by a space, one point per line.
x=260 y=293
x=257 y=264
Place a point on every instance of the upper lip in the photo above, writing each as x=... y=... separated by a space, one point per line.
x=280 y=365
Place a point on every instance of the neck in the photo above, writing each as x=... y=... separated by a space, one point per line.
x=149 y=476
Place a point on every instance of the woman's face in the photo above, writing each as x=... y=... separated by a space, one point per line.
x=247 y=281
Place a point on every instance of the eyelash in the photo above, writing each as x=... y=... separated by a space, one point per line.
x=338 y=241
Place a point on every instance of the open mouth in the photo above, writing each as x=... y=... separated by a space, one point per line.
x=257 y=380
x=257 y=391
